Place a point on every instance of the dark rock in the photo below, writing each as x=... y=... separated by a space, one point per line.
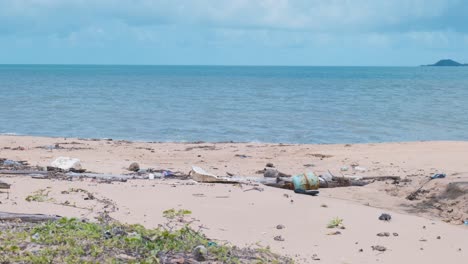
x=383 y=234
x=379 y=248
x=278 y=238
x=280 y=227
x=385 y=217
x=134 y=167
x=269 y=165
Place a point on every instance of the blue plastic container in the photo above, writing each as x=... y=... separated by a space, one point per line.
x=306 y=181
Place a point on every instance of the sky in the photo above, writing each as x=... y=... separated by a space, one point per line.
x=233 y=32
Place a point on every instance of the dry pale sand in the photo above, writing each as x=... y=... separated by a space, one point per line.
x=244 y=217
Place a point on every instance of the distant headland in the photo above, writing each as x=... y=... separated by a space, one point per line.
x=447 y=62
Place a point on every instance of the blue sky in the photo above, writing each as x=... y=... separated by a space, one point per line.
x=234 y=32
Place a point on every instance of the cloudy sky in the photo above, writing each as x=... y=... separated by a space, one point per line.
x=233 y=32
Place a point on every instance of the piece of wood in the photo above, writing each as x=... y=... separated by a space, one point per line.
x=22 y=172
x=31 y=218
x=381 y=178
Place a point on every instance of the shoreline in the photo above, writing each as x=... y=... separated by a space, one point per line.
x=223 y=142
x=243 y=217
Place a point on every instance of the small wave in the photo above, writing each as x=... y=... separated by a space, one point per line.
x=9 y=134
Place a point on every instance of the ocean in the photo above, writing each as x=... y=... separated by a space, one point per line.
x=231 y=103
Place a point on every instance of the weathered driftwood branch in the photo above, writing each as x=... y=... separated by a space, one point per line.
x=32 y=218
x=23 y=172
x=381 y=178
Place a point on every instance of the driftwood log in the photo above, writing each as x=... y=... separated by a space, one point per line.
x=31 y=218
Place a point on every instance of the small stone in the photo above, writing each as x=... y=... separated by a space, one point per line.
x=315 y=257
x=383 y=234
x=385 y=217
x=269 y=165
x=395 y=234
x=134 y=167
x=280 y=227
x=438 y=237
x=379 y=248
x=278 y=238
x=200 y=253
x=361 y=250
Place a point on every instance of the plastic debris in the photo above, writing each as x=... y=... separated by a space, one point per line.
x=66 y=163
x=438 y=176
x=200 y=175
x=361 y=169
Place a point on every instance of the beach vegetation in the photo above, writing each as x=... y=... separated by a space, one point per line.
x=335 y=223
x=71 y=240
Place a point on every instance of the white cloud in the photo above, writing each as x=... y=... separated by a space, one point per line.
x=311 y=15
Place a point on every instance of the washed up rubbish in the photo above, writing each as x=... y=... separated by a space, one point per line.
x=11 y=163
x=151 y=176
x=305 y=181
x=66 y=163
x=438 y=176
x=200 y=175
x=361 y=169
x=167 y=173
x=466 y=222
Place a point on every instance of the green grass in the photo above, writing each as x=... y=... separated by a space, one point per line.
x=75 y=241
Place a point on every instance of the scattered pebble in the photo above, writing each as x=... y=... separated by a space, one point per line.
x=278 y=238
x=269 y=165
x=280 y=227
x=134 y=167
x=324 y=205
x=334 y=233
x=379 y=248
x=438 y=237
x=361 y=250
x=383 y=234
x=395 y=234
x=385 y=217
x=315 y=257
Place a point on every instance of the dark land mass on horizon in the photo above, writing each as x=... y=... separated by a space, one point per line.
x=447 y=62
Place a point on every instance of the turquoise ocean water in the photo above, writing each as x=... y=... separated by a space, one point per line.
x=247 y=104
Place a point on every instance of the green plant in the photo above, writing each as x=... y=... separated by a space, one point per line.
x=41 y=195
x=335 y=222
x=71 y=240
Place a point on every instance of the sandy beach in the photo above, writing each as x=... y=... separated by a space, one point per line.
x=428 y=229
